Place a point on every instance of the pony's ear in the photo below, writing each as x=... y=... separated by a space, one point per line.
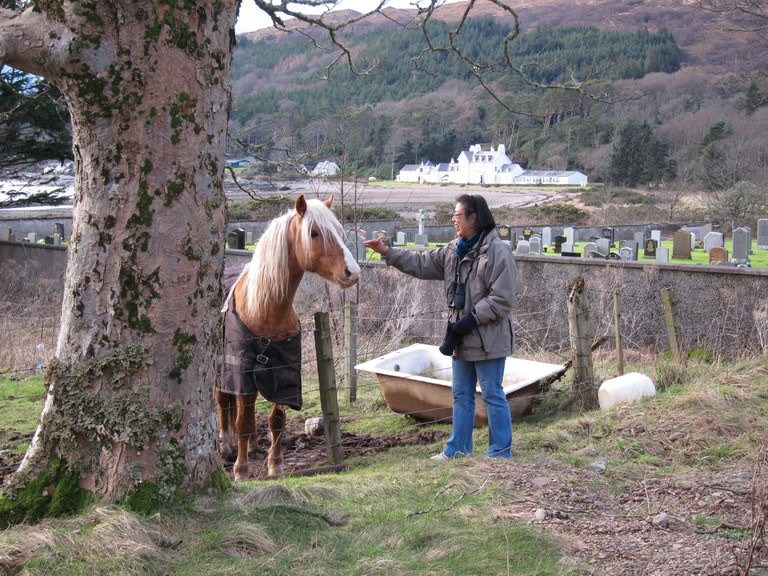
x=329 y=202
x=301 y=205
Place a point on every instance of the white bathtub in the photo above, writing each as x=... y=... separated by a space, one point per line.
x=416 y=380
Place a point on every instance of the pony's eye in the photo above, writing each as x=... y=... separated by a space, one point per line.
x=315 y=234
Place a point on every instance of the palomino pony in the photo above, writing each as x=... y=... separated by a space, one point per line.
x=262 y=335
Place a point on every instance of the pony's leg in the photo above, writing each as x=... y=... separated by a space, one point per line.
x=245 y=425
x=225 y=408
x=276 y=425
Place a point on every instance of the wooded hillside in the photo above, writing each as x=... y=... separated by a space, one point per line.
x=669 y=65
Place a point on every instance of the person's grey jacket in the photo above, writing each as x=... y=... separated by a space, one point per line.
x=490 y=279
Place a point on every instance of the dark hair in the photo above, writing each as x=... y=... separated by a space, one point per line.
x=476 y=204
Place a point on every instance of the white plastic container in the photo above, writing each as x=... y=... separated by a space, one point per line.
x=624 y=389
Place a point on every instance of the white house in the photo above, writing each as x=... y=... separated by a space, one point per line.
x=325 y=168
x=478 y=166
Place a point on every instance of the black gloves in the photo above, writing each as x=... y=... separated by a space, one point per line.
x=450 y=341
x=465 y=325
x=454 y=333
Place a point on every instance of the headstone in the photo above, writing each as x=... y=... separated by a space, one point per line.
x=656 y=235
x=232 y=240
x=570 y=235
x=566 y=247
x=354 y=243
x=504 y=232
x=240 y=238
x=632 y=245
x=58 y=228
x=32 y=238
x=534 y=244
x=546 y=236
x=713 y=240
x=649 y=250
x=421 y=217
x=590 y=248
x=421 y=240
x=662 y=254
x=646 y=234
x=609 y=234
x=5 y=234
x=571 y=254
x=56 y=240
x=762 y=234
x=639 y=238
x=705 y=229
x=49 y=240
x=627 y=253
x=559 y=241
x=402 y=239
x=249 y=238
x=681 y=245
x=717 y=254
x=523 y=246
x=741 y=241
x=527 y=233
x=603 y=246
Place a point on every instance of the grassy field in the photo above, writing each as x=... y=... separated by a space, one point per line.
x=397 y=513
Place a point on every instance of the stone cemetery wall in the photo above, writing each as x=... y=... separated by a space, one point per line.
x=721 y=309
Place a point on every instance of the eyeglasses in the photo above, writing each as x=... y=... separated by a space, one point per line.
x=457 y=214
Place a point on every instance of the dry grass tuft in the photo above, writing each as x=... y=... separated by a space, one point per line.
x=245 y=539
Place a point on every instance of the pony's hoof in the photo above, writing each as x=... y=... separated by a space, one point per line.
x=241 y=473
x=275 y=470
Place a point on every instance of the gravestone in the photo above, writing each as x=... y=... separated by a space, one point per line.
x=646 y=234
x=609 y=234
x=639 y=238
x=49 y=240
x=5 y=234
x=762 y=234
x=421 y=240
x=656 y=235
x=590 y=248
x=527 y=233
x=231 y=240
x=402 y=238
x=603 y=246
x=566 y=247
x=681 y=245
x=249 y=237
x=632 y=245
x=546 y=236
x=713 y=240
x=571 y=254
x=32 y=238
x=717 y=254
x=56 y=240
x=523 y=247
x=354 y=243
x=649 y=250
x=570 y=235
x=504 y=232
x=627 y=253
x=240 y=238
x=534 y=244
x=559 y=241
x=662 y=254
x=58 y=228
x=741 y=244
x=421 y=217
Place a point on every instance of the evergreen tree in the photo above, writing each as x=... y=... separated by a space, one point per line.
x=754 y=99
x=638 y=157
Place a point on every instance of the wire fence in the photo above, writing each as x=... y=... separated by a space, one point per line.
x=392 y=313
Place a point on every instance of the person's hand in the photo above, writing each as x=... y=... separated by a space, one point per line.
x=377 y=246
x=450 y=341
x=465 y=325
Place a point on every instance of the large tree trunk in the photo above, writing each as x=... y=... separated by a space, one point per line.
x=130 y=402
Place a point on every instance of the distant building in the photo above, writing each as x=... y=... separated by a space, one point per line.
x=478 y=166
x=325 y=168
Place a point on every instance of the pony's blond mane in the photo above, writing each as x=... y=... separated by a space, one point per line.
x=267 y=279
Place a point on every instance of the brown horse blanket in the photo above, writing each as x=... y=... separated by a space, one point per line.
x=254 y=363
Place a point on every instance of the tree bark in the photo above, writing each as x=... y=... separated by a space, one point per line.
x=130 y=401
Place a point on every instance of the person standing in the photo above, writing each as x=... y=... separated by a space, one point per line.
x=478 y=270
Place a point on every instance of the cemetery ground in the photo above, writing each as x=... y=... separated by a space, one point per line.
x=676 y=484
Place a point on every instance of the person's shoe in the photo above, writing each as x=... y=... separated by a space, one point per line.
x=440 y=457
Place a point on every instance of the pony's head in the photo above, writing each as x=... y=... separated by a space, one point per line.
x=318 y=241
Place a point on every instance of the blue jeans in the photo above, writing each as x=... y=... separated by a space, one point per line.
x=490 y=374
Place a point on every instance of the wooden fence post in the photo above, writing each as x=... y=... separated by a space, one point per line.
x=673 y=322
x=617 y=329
x=328 y=400
x=350 y=344
x=581 y=343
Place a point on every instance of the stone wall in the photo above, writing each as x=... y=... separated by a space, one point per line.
x=721 y=309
